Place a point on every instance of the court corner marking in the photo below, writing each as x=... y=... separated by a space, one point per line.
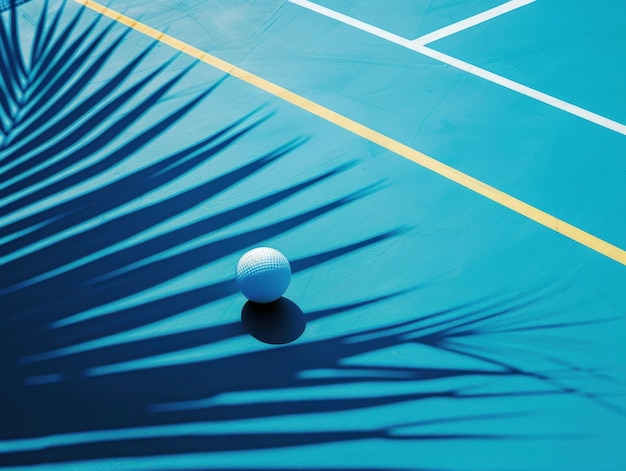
x=419 y=45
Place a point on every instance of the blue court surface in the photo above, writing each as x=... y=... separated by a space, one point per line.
x=446 y=178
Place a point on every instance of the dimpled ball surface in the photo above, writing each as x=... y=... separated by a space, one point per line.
x=263 y=274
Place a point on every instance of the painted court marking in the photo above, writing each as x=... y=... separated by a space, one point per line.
x=419 y=45
x=471 y=21
x=601 y=246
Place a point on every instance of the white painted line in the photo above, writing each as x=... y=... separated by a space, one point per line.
x=524 y=90
x=335 y=15
x=471 y=21
x=466 y=67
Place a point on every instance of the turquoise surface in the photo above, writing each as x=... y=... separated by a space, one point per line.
x=425 y=326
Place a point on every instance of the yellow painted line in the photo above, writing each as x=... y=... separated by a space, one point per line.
x=477 y=186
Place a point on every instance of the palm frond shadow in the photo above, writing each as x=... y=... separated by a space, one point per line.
x=46 y=132
x=30 y=271
x=8 y=4
x=258 y=371
x=60 y=374
x=154 y=396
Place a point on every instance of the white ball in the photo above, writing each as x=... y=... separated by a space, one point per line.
x=263 y=274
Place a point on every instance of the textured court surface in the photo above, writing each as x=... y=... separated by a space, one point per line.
x=426 y=326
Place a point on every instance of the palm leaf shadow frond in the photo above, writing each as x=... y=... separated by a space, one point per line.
x=261 y=371
x=45 y=135
x=79 y=365
x=12 y=68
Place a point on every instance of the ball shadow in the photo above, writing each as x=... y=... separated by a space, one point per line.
x=275 y=323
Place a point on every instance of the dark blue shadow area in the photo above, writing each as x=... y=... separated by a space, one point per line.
x=8 y=4
x=310 y=468
x=45 y=97
x=173 y=395
x=103 y=199
x=227 y=442
x=275 y=323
